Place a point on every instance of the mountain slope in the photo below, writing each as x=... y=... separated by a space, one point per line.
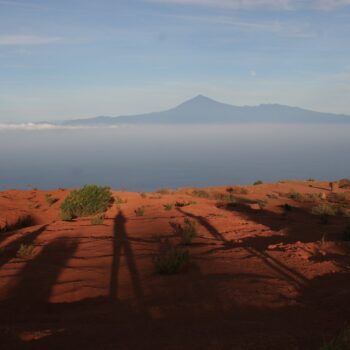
x=202 y=109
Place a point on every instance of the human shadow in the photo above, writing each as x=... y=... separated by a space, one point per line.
x=9 y=251
x=35 y=281
x=122 y=247
x=256 y=247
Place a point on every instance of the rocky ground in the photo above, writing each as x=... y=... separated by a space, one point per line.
x=262 y=275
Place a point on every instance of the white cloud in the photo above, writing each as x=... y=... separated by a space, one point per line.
x=19 y=4
x=234 y=4
x=262 y=4
x=27 y=40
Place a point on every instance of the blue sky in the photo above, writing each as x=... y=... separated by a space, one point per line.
x=81 y=58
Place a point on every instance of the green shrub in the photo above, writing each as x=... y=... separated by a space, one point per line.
x=340 y=342
x=187 y=231
x=259 y=182
x=118 y=200
x=225 y=197
x=143 y=195
x=24 y=251
x=237 y=190
x=168 y=206
x=97 y=220
x=311 y=179
x=66 y=216
x=200 y=194
x=262 y=203
x=324 y=210
x=140 y=211
x=184 y=204
x=49 y=199
x=171 y=259
x=298 y=197
x=163 y=191
x=89 y=200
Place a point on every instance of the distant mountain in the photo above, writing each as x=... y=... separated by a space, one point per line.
x=204 y=110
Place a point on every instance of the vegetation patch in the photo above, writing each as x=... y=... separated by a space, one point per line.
x=89 y=200
x=237 y=190
x=187 y=231
x=164 y=191
x=49 y=199
x=262 y=203
x=302 y=198
x=139 y=211
x=225 y=197
x=171 y=259
x=259 y=182
x=179 y=204
x=97 y=220
x=25 y=251
x=200 y=194
x=21 y=222
x=340 y=342
x=118 y=200
x=168 y=206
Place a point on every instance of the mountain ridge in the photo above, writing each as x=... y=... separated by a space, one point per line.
x=204 y=110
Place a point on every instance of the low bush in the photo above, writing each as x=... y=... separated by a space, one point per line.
x=237 y=190
x=171 y=259
x=163 y=191
x=187 y=231
x=340 y=342
x=168 y=206
x=179 y=204
x=298 y=197
x=307 y=197
x=97 y=220
x=262 y=203
x=24 y=251
x=66 y=216
x=49 y=199
x=140 y=211
x=200 y=194
x=89 y=200
x=118 y=200
x=259 y=182
x=325 y=211
x=223 y=197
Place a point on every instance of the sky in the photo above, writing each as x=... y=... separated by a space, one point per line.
x=71 y=59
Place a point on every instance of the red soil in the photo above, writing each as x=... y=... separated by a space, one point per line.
x=258 y=278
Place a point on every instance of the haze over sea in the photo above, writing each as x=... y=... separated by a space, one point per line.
x=145 y=158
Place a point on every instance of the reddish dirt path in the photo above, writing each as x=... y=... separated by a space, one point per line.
x=258 y=278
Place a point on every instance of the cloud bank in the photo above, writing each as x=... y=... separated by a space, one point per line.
x=258 y=4
x=27 y=40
